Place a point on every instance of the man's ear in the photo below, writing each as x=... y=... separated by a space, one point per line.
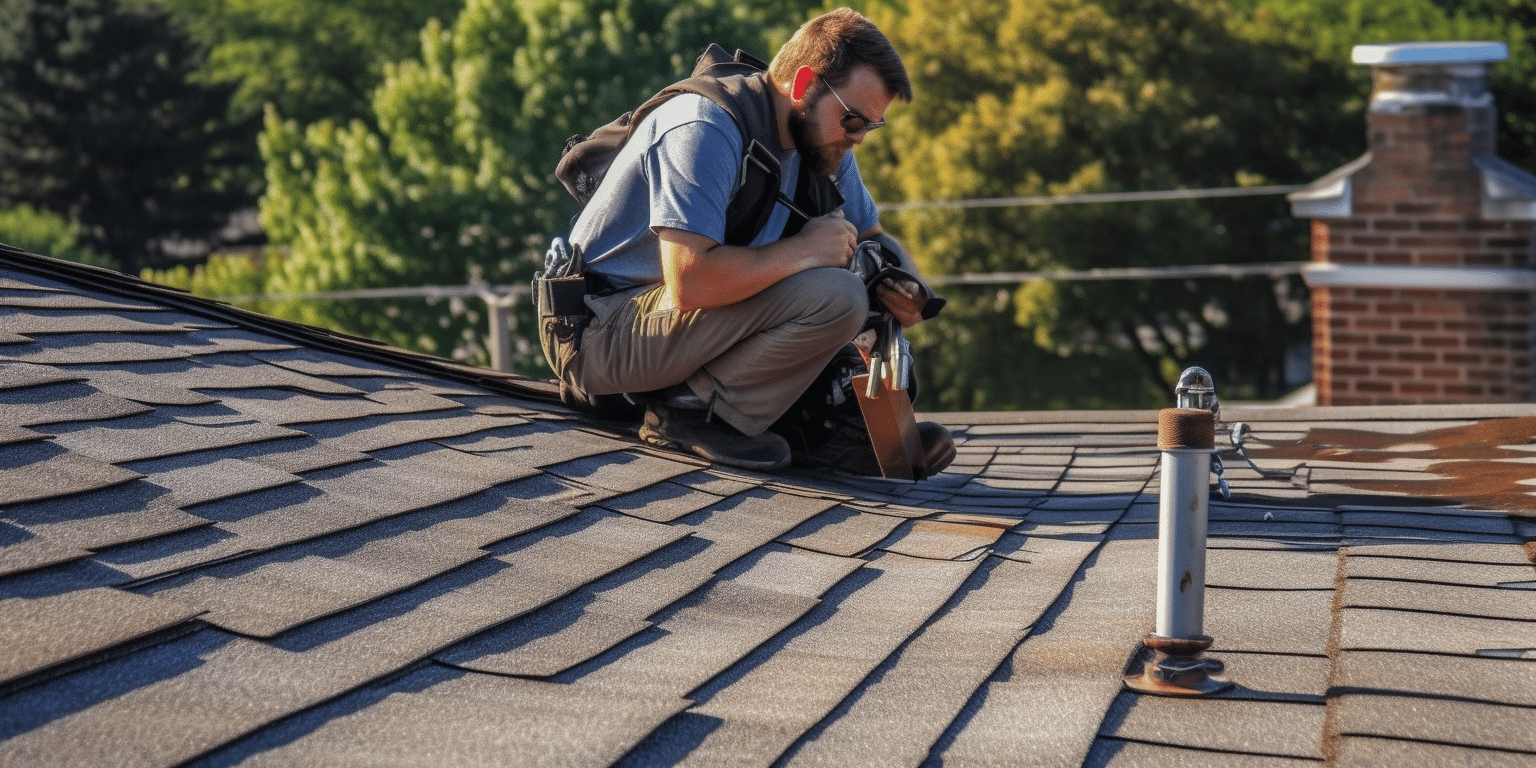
x=803 y=79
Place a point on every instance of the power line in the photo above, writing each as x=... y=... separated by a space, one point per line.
x=1093 y=197
x=1270 y=269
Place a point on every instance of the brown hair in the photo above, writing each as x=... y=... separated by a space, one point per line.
x=833 y=44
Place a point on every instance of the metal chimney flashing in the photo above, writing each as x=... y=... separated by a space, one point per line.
x=1509 y=191
x=1329 y=197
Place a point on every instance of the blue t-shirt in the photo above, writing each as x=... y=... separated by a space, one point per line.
x=679 y=170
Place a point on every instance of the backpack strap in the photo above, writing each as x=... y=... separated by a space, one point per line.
x=738 y=84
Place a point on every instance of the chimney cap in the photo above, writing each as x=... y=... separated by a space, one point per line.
x=1396 y=54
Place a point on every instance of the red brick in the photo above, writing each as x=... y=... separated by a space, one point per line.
x=1370 y=241
x=1440 y=342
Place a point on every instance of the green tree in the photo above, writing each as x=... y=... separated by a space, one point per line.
x=1042 y=97
x=1338 y=25
x=99 y=124
x=310 y=60
x=46 y=234
x=456 y=182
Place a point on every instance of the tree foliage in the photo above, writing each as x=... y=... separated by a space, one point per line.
x=455 y=184
x=100 y=124
x=1042 y=97
x=48 y=234
x=310 y=60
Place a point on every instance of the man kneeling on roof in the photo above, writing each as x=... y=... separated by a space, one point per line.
x=732 y=329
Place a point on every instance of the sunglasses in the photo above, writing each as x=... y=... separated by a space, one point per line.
x=852 y=121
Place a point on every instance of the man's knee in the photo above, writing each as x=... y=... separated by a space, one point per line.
x=831 y=297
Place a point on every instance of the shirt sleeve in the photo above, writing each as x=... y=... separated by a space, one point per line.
x=858 y=205
x=692 y=168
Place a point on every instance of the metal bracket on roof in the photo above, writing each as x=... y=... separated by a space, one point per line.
x=1239 y=433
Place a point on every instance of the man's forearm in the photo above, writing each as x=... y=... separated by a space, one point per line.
x=700 y=273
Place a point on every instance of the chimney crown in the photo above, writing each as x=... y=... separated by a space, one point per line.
x=1397 y=54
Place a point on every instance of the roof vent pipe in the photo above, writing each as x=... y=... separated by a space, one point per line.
x=1173 y=663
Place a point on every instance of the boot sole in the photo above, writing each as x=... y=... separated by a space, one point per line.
x=659 y=441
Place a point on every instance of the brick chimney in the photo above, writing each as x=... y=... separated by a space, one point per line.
x=1422 y=272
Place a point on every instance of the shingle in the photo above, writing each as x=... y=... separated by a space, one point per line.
x=447 y=718
x=330 y=501
x=201 y=482
x=382 y=432
x=898 y=717
x=1044 y=705
x=1220 y=724
x=274 y=597
x=1424 y=521
x=1107 y=501
x=1497 y=681
x=622 y=472
x=321 y=364
x=238 y=685
x=788 y=687
x=100 y=349
x=705 y=635
x=842 y=531
x=37 y=324
x=148 y=383
x=1409 y=631
x=719 y=481
x=156 y=435
x=1275 y=677
x=537 y=445
x=1450 y=551
x=607 y=611
x=42 y=470
x=1269 y=621
x=270 y=594
x=1270 y=569
x=1117 y=753
x=1366 y=752
x=10 y=435
x=1439 y=571
x=62 y=403
x=548 y=641
x=68 y=298
x=1492 y=603
x=117 y=515
x=41 y=633
x=1447 y=721
x=21 y=550
x=296 y=456
x=662 y=502
x=941 y=539
x=25 y=375
x=287 y=408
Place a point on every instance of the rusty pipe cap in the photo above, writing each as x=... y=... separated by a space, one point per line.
x=1186 y=428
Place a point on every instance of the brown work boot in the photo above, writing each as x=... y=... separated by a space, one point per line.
x=694 y=431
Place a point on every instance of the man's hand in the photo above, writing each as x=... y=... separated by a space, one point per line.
x=903 y=299
x=828 y=240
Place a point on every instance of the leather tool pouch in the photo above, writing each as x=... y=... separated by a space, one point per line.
x=563 y=315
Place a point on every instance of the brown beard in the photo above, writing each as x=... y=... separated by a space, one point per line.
x=817 y=158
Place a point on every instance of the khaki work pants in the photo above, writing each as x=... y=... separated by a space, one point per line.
x=749 y=360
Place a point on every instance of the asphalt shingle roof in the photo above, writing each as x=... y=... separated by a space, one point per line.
x=229 y=540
